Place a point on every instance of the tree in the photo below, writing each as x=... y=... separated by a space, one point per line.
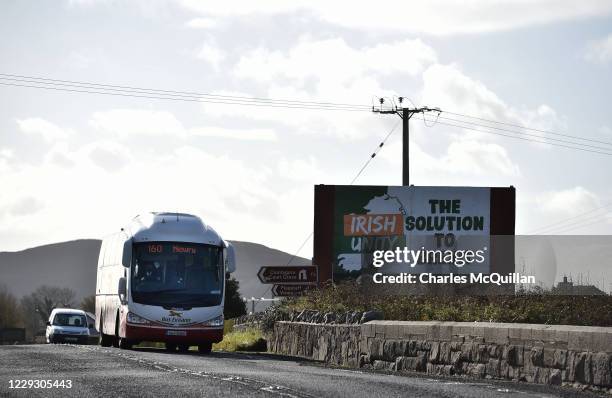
x=37 y=306
x=10 y=315
x=88 y=304
x=234 y=306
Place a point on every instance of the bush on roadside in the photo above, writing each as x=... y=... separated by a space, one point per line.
x=520 y=308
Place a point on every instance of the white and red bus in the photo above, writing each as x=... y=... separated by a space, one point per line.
x=162 y=279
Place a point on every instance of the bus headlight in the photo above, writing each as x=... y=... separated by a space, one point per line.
x=133 y=318
x=218 y=321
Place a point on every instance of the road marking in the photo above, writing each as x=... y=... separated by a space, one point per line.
x=164 y=367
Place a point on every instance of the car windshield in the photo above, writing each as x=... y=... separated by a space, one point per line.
x=76 y=320
x=177 y=274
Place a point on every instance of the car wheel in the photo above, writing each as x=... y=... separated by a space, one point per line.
x=205 y=348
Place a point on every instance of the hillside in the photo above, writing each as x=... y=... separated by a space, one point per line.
x=73 y=264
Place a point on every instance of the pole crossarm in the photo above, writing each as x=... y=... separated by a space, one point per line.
x=405 y=113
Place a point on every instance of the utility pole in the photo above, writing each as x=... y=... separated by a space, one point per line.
x=405 y=113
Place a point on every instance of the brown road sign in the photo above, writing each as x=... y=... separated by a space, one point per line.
x=290 y=290
x=288 y=275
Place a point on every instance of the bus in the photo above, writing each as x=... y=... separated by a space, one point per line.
x=162 y=279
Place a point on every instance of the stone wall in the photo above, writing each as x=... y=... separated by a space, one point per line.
x=574 y=355
x=333 y=344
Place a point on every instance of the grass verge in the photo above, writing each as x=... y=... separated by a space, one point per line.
x=248 y=340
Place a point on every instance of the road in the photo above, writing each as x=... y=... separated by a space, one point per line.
x=109 y=372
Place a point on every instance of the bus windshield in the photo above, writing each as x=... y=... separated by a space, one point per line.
x=177 y=274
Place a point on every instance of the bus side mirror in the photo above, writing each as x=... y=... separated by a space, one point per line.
x=230 y=260
x=122 y=289
x=126 y=259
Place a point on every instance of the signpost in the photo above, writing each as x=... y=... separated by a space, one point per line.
x=288 y=275
x=289 y=281
x=290 y=290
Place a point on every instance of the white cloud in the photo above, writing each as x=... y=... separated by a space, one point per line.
x=317 y=70
x=25 y=206
x=108 y=155
x=464 y=156
x=334 y=60
x=201 y=23
x=239 y=134
x=45 y=129
x=59 y=155
x=300 y=169
x=137 y=122
x=448 y=88
x=568 y=202
x=211 y=54
x=600 y=51
x=125 y=122
x=438 y=17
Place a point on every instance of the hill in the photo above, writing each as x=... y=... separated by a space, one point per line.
x=73 y=264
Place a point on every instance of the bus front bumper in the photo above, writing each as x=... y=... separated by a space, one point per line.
x=174 y=335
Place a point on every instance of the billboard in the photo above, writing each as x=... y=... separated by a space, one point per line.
x=359 y=228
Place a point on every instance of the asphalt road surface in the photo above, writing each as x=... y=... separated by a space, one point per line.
x=110 y=372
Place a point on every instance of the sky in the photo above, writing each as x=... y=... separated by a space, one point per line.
x=76 y=165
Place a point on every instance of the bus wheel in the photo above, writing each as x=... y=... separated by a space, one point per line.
x=104 y=339
x=183 y=347
x=205 y=348
x=170 y=347
x=124 y=344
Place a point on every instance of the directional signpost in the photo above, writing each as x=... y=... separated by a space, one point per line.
x=297 y=275
x=289 y=281
x=290 y=290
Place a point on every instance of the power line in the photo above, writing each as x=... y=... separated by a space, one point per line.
x=527 y=128
x=167 y=94
x=519 y=138
x=559 y=224
x=192 y=96
x=573 y=227
x=188 y=96
x=525 y=134
x=201 y=100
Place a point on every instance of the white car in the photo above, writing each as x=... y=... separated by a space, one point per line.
x=66 y=325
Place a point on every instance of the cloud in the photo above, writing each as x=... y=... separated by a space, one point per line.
x=126 y=122
x=300 y=169
x=238 y=134
x=317 y=70
x=436 y=17
x=462 y=157
x=211 y=54
x=600 y=51
x=59 y=155
x=568 y=202
x=447 y=87
x=43 y=128
x=108 y=155
x=25 y=207
x=312 y=61
x=201 y=23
